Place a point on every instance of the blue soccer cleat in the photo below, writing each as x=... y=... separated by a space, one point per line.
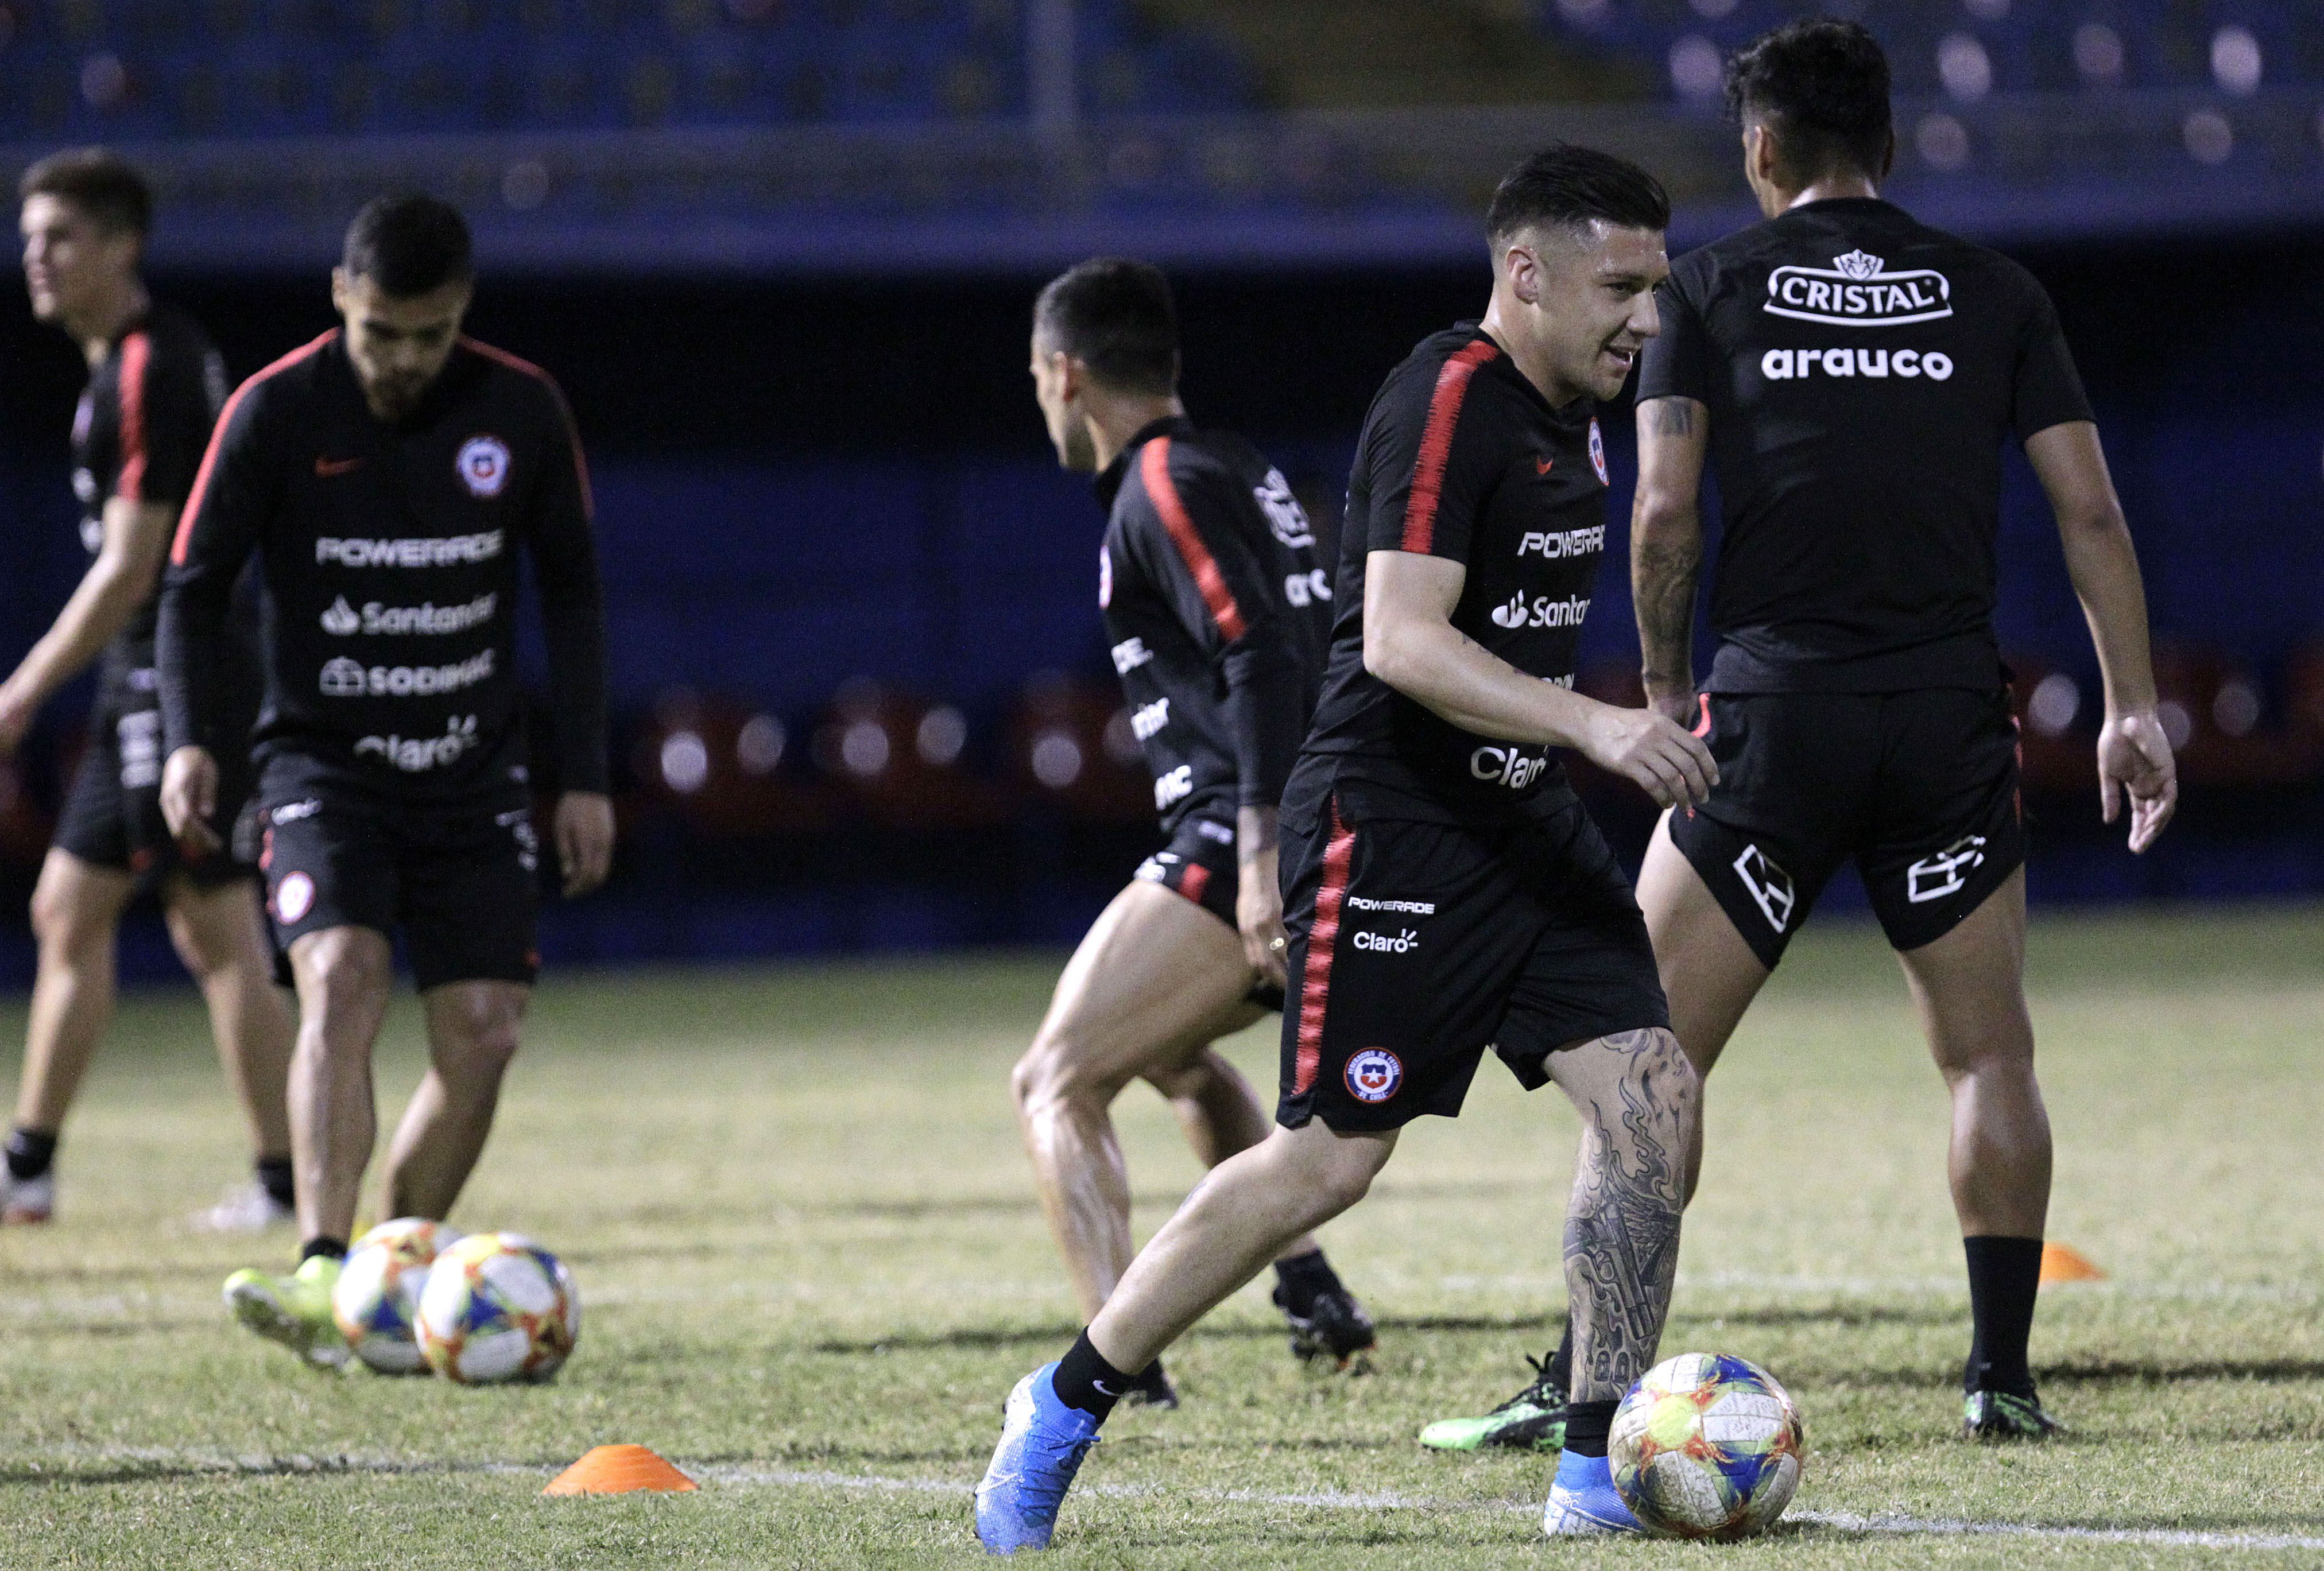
x=1042 y=1444
x=1583 y=1503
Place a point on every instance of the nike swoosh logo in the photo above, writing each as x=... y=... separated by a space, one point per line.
x=1100 y=1387
x=328 y=467
x=1543 y=466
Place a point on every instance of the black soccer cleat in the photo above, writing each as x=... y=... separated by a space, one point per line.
x=1151 y=1389
x=1334 y=1327
x=1532 y=1420
x=2001 y=1417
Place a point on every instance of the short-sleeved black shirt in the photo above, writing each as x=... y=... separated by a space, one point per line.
x=1862 y=372
x=1460 y=457
x=144 y=421
x=1218 y=616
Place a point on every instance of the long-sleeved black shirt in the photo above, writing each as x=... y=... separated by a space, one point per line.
x=387 y=559
x=1218 y=613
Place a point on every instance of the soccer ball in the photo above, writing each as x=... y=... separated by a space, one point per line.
x=498 y=1306
x=379 y=1291
x=1706 y=1446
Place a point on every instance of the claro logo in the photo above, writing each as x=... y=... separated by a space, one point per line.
x=1857 y=290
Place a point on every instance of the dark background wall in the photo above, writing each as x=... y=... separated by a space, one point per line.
x=803 y=483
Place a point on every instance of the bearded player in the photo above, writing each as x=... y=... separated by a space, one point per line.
x=386 y=477
x=154 y=388
x=1853 y=376
x=1445 y=891
x=1219 y=616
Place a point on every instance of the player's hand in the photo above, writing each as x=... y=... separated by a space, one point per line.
x=1259 y=914
x=2135 y=761
x=190 y=787
x=584 y=839
x=1651 y=751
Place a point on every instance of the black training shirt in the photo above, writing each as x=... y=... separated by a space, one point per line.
x=1461 y=457
x=138 y=434
x=1218 y=616
x=387 y=555
x=1862 y=372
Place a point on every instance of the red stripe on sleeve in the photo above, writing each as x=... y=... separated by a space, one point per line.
x=217 y=436
x=1195 y=882
x=1436 y=442
x=137 y=355
x=1323 y=936
x=519 y=363
x=1154 y=468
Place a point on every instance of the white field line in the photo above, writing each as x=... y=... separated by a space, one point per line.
x=733 y=1476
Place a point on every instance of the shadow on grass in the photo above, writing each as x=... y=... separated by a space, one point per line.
x=976 y=1338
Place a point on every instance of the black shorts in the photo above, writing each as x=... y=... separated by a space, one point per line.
x=1416 y=946
x=1200 y=863
x=459 y=881
x=1919 y=787
x=112 y=814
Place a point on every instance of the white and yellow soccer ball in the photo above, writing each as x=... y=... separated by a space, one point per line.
x=1706 y=1446
x=498 y=1306
x=378 y=1291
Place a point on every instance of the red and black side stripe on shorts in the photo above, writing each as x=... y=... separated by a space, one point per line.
x=1323 y=938
x=1154 y=470
x=1436 y=442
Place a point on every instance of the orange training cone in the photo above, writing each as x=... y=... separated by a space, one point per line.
x=618 y=1470
x=2061 y=1263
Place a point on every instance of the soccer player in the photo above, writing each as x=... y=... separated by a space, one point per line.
x=154 y=388
x=1854 y=375
x=1219 y=618
x=385 y=476
x=1444 y=890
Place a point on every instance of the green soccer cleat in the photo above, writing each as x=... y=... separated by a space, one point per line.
x=1532 y=1420
x=294 y=1310
x=1998 y=1416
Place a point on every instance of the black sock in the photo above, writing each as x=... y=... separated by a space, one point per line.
x=274 y=1178
x=1084 y=1380
x=1587 y=1425
x=29 y=1153
x=2004 y=1276
x=1558 y=1373
x=336 y=1248
x=1305 y=1278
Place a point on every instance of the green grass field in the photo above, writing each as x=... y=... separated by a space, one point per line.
x=813 y=1266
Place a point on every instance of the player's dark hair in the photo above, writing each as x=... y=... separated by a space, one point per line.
x=1116 y=317
x=408 y=244
x=1822 y=87
x=98 y=182
x=1564 y=186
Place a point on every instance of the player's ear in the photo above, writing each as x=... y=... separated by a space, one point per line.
x=341 y=287
x=1523 y=266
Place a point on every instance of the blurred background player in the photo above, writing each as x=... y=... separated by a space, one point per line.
x=1853 y=375
x=154 y=388
x=1448 y=892
x=1218 y=617
x=385 y=477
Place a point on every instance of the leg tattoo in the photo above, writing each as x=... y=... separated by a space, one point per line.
x=1621 y=1228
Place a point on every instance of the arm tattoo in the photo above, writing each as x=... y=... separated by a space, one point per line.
x=1675 y=416
x=1621 y=1229
x=1662 y=580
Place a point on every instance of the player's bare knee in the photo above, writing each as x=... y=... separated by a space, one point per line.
x=63 y=925
x=1053 y=1072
